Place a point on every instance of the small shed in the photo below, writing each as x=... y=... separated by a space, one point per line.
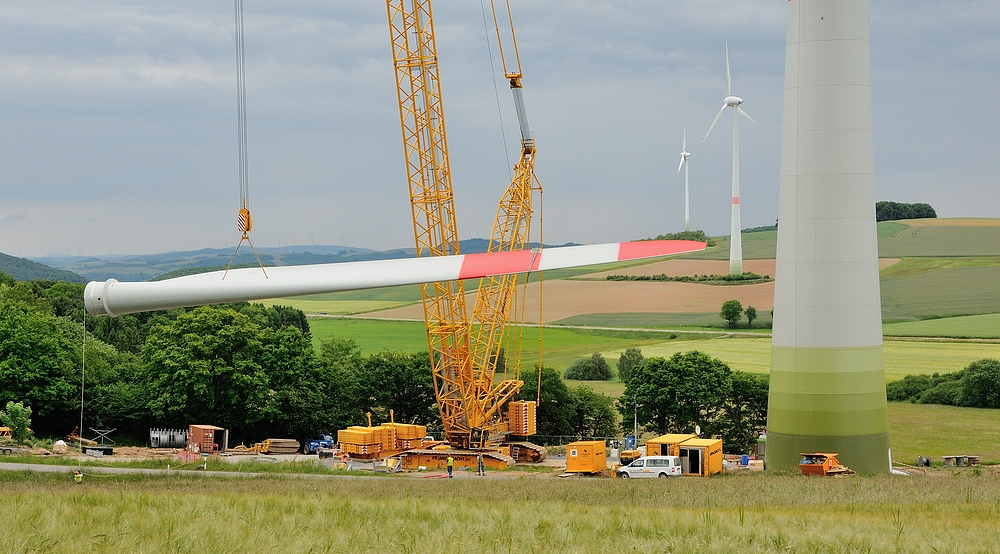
x=207 y=438
x=667 y=445
x=701 y=457
x=586 y=457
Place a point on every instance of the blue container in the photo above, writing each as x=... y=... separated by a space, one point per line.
x=744 y=460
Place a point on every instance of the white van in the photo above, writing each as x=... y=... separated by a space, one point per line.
x=652 y=466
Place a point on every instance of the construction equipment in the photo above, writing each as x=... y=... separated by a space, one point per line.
x=463 y=359
x=325 y=442
x=822 y=463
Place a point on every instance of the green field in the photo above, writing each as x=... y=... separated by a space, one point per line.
x=735 y=513
x=972 y=326
x=335 y=307
x=948 y=292
x=563 y=346
x=932 y=430
x=940 y=241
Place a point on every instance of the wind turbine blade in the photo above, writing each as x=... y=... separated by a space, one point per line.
x=684 y=147
x=717 y=116
x=114 y=298
x=744 y=114
x=680 y=167
x=729 y=79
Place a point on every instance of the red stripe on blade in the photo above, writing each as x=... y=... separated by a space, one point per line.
x=653 y=248
x=475 y=266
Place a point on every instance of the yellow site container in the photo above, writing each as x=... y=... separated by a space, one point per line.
x=586 y=457
x=521 y=417
x=701 y=457
x=667 y=445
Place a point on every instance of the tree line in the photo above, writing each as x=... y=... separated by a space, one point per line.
x=255 y=371
x=248 y=368
x=891 y=211
x=975 y=386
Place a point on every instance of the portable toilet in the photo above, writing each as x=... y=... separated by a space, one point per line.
x=667 y=445
x=586 y=457
x=701 y=457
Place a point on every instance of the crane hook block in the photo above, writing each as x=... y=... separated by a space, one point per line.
x=245 y=221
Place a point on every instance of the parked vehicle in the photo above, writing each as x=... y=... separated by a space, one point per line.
x=652 y=466
x=324 y=441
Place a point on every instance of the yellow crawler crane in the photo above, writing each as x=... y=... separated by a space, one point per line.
x=496 y=299
x=468 y=399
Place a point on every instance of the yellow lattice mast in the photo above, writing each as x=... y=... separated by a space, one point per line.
x=425 y=146
x=496 y=296
x=469 y=400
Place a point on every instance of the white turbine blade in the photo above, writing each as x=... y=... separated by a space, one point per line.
x=744 y=114
x=114 y=298
x=717 y=116
x=684 y=146
x=729 y=79
x=680 y=167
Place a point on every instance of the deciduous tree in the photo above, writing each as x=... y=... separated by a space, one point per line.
x=676 y=394
x=732 y=312
x=630 y=359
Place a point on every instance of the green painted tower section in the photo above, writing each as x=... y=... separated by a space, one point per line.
x=827 y=391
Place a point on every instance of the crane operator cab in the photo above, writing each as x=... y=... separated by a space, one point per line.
x=652 y=466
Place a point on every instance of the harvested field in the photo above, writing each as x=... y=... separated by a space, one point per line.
x=683 y=266
x=568 y=298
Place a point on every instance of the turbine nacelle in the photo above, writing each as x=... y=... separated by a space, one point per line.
x=733 y=101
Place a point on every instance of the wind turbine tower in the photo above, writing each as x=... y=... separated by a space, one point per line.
x=736 y=242
x=687 y=197
x=827 y=387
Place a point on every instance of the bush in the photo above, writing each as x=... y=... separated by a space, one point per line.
x=17 y=416
x=595 y=368
x=947 y=393
x=981 y=385
x=908 y=389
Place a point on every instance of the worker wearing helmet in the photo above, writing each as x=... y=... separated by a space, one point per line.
x=451 y=465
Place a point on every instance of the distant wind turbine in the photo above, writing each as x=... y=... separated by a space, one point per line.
x=687 y=198
x=736 y=248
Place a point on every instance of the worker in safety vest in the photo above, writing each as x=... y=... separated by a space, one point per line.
x=77 y=477
x=451 y=465
x=481 y=470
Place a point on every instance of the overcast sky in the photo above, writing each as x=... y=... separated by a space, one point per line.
x=118 y=118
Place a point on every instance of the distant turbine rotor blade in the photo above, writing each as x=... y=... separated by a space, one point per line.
x=717 y=116
x=684 y=147
x=729 y=79
x=680 y=167
x=744 y=114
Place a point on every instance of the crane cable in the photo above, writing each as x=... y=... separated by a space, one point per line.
x=244 y=221
x=496 y=91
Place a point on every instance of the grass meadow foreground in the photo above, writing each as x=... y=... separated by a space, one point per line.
x=749 y=513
